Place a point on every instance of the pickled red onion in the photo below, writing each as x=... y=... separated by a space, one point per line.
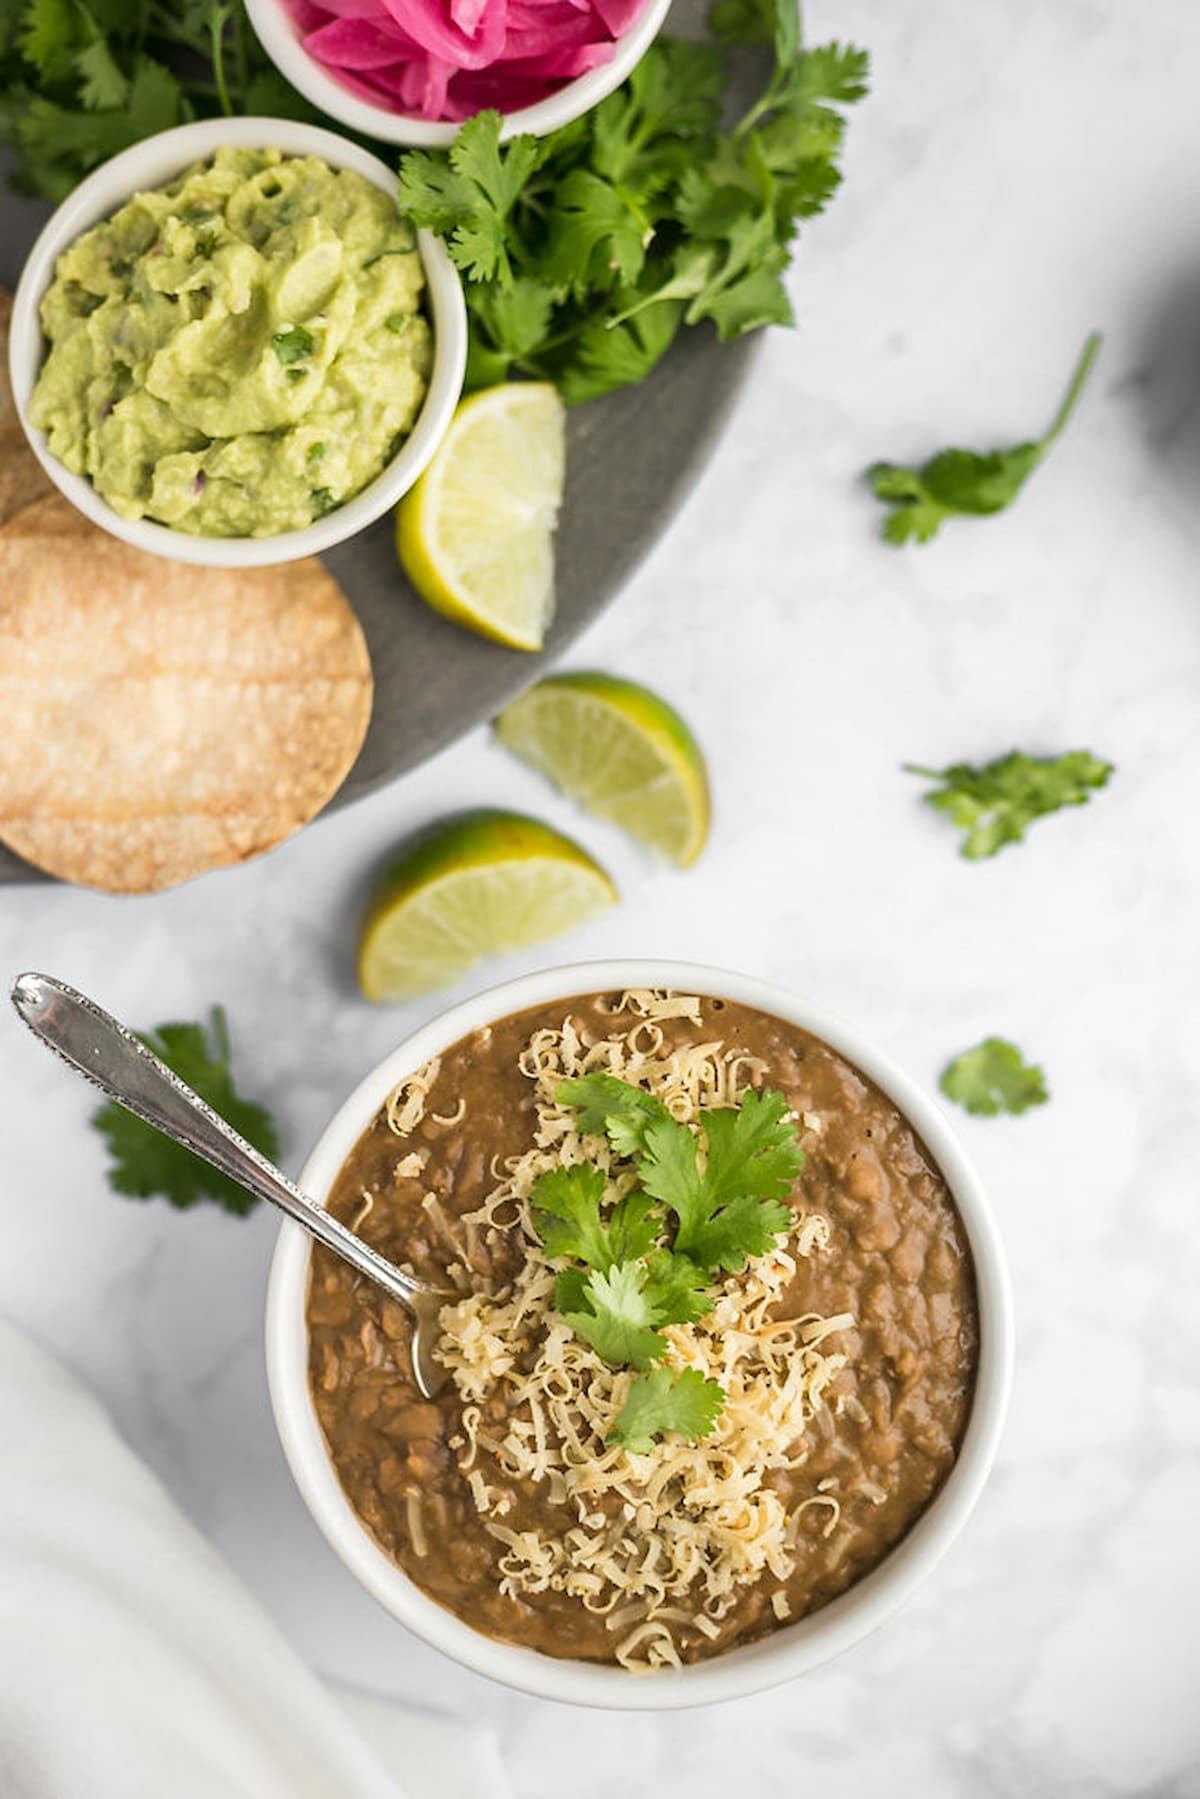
x=447 y=59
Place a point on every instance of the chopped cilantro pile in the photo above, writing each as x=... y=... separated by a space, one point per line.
x=145 y=1162
x=654 y=1257
x=964 y=482
x=992 y=1078
x=585 y=251
x=995 y=802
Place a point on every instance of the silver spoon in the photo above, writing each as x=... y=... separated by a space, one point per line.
x=105 y=1053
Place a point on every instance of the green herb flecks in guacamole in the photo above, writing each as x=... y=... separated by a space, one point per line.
x=217 y=338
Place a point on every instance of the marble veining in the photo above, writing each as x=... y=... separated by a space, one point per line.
x=1022 y=174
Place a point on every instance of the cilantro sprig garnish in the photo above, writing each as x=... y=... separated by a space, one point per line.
x=584 y=252
x=994 y=1077
x=995 y=802
x=964 y=482
x=652 y=1256
x=145 y=1163
x=685 y=1402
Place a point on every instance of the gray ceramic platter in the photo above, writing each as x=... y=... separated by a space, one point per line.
x=631 y=459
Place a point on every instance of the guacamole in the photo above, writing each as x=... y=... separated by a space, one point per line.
x=240 y=351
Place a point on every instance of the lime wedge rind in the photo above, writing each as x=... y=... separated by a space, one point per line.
x=618 y=750
x=478 y=884
x=475 y=535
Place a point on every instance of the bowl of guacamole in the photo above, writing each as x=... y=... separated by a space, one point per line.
x=246 y=358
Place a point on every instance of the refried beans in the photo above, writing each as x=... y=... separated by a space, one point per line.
x=453 y=1490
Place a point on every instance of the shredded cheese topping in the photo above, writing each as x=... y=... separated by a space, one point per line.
x=661 y=1544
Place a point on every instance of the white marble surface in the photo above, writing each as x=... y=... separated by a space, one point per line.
x=1022 y=173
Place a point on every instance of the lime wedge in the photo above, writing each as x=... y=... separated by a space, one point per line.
x=467 y=887
x=476 y=533
x=621 y=752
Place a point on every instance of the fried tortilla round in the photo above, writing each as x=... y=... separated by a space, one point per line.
x=22 y=480
x=8 y=406
x=159 y=719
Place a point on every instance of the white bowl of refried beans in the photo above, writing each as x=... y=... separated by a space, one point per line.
x=540 y=1521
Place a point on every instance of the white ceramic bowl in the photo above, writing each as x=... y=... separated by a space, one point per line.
x=786 y=1652
x=281 y=41
x=152 y=164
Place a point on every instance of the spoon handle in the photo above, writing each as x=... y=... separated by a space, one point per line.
x=113 y=1059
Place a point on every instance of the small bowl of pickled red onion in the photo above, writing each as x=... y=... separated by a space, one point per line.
x=411 y=71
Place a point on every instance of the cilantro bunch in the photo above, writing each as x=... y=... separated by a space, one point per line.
x=585 y=251
x=82 y=79
x=655 y=1256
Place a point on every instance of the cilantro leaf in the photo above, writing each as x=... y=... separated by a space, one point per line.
x=570 y=1291
x=618 y=1317
x=750 y=297
x=566 y=1214
x=795 y=120
x=743 y=21
x=752 y=1148
x=606 y=354
x=732 y=210
x=612 y=1107
x=515 y=319
x=468 y=195
x=48 y=34
x=995 y=802
x=733 y=1208
x=684 y=1402
x=677 y=1288
x=619 y=1310
x=567 y=1217
x=293 y=344
x=646 y=133
x=145 y=1162
x=833 y=74
x=744 y=1228
x=669 y=1167
x=993 y=1078
x=597 y=236
x=751 y=21
x=965 y=482
x=103 y=83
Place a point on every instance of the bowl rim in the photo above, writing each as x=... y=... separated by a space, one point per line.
x=757 y=1666
x=278 y=37
x=150 y=164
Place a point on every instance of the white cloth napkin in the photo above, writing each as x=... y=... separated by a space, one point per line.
x=133 y=1665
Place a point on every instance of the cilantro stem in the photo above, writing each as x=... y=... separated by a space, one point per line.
x=552 y=343
x=1083 y=369
x=216 y=35
x=220 y=1031
x=763 y=104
